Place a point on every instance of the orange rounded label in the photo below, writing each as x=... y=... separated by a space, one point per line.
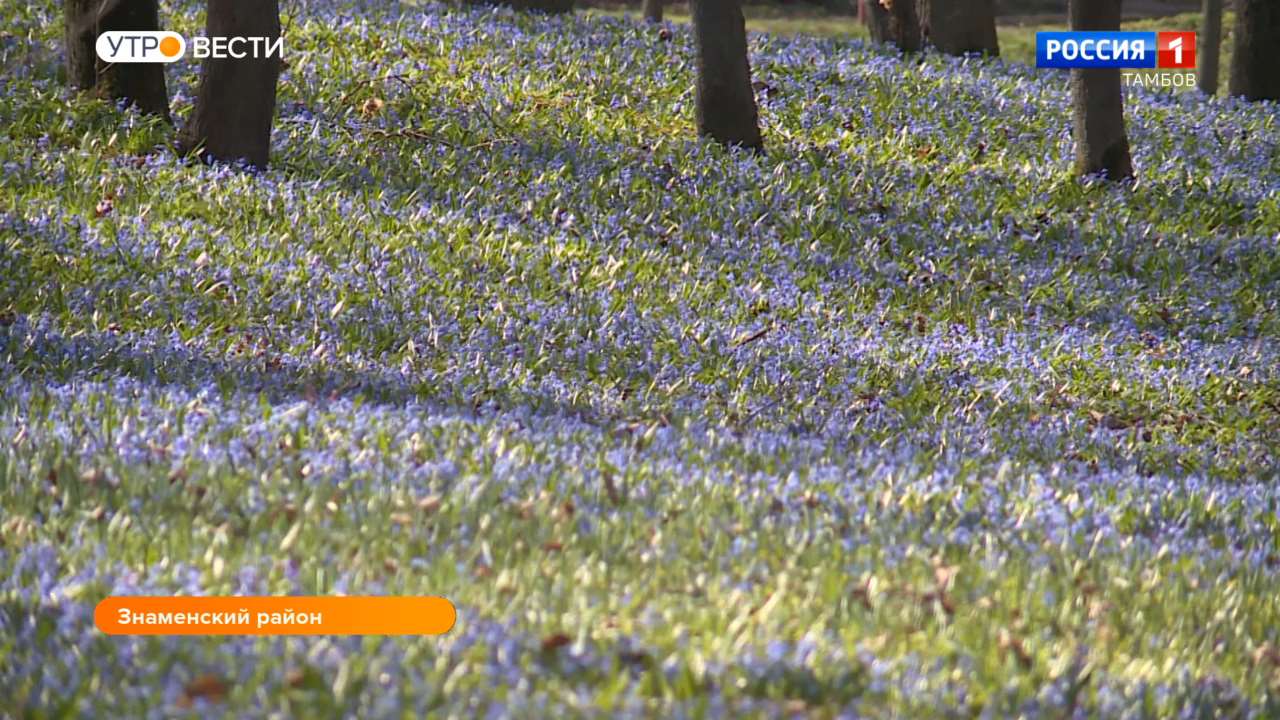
x=275 y=615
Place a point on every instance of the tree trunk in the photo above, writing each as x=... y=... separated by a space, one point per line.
x=653 y=11
x=1209 y=43
x=726 y=103
x=80 y=22
x=894 y=22
x=960 y=27
x=1255 y=61
x=139 y=84
x=236 y=102
x=876 y=18
x=1096 y=100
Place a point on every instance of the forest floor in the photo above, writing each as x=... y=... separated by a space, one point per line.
x=899 y=419
x=1016 y=33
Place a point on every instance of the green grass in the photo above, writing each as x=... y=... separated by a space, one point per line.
x=899 y=419
x=1017 y=40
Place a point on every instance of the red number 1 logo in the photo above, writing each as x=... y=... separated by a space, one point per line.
x=1176 y=50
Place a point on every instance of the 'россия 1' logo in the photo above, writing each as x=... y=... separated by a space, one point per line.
x=1104 y=49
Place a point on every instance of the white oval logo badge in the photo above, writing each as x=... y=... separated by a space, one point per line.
x=137 y=46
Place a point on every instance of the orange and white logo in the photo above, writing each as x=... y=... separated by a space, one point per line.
x=136 y=46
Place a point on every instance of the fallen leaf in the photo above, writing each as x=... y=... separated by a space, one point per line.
x=206 y=687
x=1009 y=643
x=1267 y=654
x=554 y=642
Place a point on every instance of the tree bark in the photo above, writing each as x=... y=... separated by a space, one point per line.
x=1209 y=43
x=726 y=104
x=80 y=23
x=1096 y=100
x=653 y=11
x=236 y=103
x=960 y=27
x=876 y=18
x=1255 y=60
x=138 y=84
x=894 y=22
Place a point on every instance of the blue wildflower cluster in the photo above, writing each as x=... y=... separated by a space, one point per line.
x=899 y=419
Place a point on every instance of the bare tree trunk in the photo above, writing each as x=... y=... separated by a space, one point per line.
x=139 y=84
x=80 y=22
x=726 y=103
x=959 y=27
x=1209 y=44
x=894 y=22
x=876 y=18
x=1255 y=60
x=653 y=11
x=236 y=102
x=1096 y=100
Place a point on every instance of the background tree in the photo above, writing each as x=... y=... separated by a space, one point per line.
x=958 y=27
x=1096 y=101
x=653 y=10
x=139 y=84
x=726 y=104
x=1208 y=44
x=893 y=22
x=1255 y=60
x=236 y=103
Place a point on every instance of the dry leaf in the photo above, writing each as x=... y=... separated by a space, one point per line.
x=554 y=642
x=205 y=687
x=429 y=504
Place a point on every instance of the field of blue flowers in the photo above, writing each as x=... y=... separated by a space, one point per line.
x=898 y=420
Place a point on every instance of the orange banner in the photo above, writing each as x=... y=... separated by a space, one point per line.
x=279 y=615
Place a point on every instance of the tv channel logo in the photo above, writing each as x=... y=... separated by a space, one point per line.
x=137 y=46
x=1115 y=49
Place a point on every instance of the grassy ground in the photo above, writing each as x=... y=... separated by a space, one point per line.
x=1017 y=35
x=897 y=420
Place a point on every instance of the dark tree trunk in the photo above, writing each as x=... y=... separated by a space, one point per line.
x=1096 y=100
x=894 y=22
x=959 y=27
x=876 y=18
x=726 y=103
x=653 y=10
x=1209 y=43
x=1255 y=60
x=80 y=21
x=236 y=103
x=139 y=84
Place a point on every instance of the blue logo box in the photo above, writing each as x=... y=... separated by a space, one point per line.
x=1093 y=49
